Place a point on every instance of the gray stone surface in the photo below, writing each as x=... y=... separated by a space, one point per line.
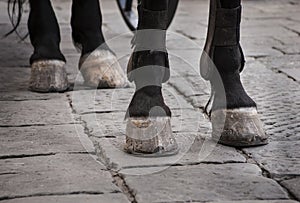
x=33 y=140
x=103 y=198
x=193 y=150
x=40 y=112
x=280 y=159
x=208 y=183
x=57 y=174
x=293 y=186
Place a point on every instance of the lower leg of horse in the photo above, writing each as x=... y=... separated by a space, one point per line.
x=230 y=3
x=156 y=5
x=44 y=31
x=86 y=25
x=229 y=60
x=150 y=67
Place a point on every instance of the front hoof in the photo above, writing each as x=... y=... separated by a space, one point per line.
x=150 y=137
x=48 y=76
x=238 y=127
x=101 y=69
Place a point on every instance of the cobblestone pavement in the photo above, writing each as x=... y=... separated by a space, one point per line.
x=67 y=147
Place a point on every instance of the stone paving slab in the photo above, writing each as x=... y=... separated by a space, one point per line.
x=223 y=182
x=194 y=149
x=14 y=79
x=281 y=159
x=58 y=174
x=38 y=112
x=33 y=140
x=105 y=198
x=26 y=95
x=293 y=186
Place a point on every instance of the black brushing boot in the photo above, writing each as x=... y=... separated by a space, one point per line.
x=233 y=115
x=148 y=131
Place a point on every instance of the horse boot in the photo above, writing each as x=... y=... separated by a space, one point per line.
x=148 y=130
x=48 y=72
x=97 y=64
x=233 y=113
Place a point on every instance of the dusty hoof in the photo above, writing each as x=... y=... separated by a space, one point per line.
x=238 y=127
x=48 y=76
x=150 y=137
x=100 y=69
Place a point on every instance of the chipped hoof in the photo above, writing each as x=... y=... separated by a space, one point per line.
x=238 y=127
x=101 y=69
x=150 y=137
x=48 y=76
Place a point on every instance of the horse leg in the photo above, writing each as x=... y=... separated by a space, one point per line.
x=98 y=64
x=233 y=115
x=148 y=126
x=48 y=72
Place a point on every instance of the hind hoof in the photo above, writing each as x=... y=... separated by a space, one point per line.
x=238 y=127
x=150 y=137
x=48 y=76
x=101 y=69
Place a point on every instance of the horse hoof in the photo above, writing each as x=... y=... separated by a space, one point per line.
x=48 y=76
x=150 y=137
x=238 y=127
x=100 y=69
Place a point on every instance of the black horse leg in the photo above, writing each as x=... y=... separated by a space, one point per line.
x=48 y=73
x=86 y=22
x=44 y=31
x=149 y=68
x=234 y=117
x=98 y=64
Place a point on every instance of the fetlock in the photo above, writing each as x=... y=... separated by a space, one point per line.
x=148 y=101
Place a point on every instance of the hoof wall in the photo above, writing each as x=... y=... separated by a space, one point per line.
x=101 y=69
x=238 y=127
x=48 y=76
x=150 y=137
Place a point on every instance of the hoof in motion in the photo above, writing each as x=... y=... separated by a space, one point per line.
x=100 y=69
x=150 y=137
x=48 y=76
x=238 y=127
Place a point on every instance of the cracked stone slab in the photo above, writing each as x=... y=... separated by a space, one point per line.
x=57 y=174
x=223 y=182
x=97 y=198
x=293 y=73
x=293 y=186
x=281 y=159
x=26 y=141
x=193 y=150
x=38 y=112
x=104 y=100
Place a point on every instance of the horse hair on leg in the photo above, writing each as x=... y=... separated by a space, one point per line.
x=86 y=22
x=44 y=31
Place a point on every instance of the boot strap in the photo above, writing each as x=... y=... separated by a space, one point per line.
x=227 y=30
